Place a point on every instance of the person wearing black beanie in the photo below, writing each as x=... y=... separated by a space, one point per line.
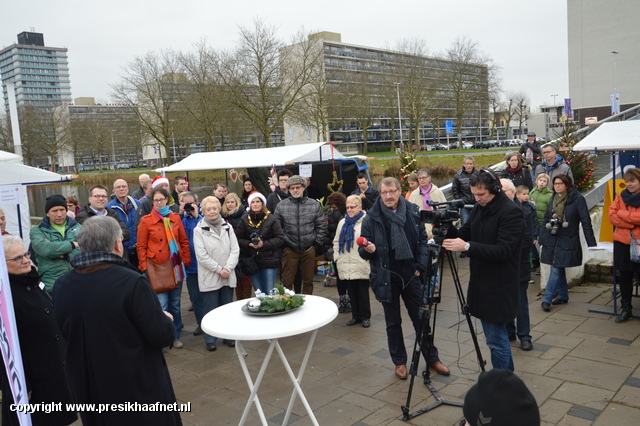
x=500 y=398
x=55 y=200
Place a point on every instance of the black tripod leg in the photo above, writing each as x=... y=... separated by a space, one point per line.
x=465 y=310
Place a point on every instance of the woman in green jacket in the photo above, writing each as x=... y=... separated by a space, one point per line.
x=540 y=197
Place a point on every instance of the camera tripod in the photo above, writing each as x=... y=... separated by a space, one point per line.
x=427 y=323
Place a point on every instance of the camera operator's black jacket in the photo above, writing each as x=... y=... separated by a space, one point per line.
x=495 y=234
x=564 y=250
x=375 y=230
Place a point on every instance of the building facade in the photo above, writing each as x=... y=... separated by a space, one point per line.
x=40 y=73
x=603 y=56
x=395 y=96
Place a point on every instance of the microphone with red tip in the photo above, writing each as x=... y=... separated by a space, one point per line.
x=362 y=242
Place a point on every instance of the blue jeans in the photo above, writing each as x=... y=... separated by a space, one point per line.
x=264 y=280
x=498 y=342
x=464 y=216
x=523 y=329
x=214 y=299
x=195 y=296
x=557 y=284
x=170 y=302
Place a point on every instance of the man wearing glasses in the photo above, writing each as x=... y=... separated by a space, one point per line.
x=397 y=250
x=281 y=192
x=553 y=164
x=54 y=241
x=125 y=207
x=98 y=198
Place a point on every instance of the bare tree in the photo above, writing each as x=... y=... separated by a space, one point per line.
x=266 y=78
x=467 y=80
x=359 y=104
x=521 y=109
x=44 y=132
x=6 y=139
x=154 y=83
x=419 y=81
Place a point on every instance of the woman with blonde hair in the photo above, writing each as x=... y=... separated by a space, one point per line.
x=233 y=209
x=217 y=253
x=352 y=269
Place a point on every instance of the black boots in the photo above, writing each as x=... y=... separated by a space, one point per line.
x=625 y=313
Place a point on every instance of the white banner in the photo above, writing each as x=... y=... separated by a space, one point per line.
x=10 y=195
x=10 y=346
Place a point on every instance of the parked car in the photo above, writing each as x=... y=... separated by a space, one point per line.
x=467 y=145
x=123 y=166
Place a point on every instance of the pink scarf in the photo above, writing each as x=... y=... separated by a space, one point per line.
x=426 y=197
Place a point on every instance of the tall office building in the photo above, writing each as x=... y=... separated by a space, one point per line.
x=40 y=73
x=603 y=55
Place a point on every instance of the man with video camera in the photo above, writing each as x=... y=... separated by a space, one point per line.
x=396 y=245
x=491 y=237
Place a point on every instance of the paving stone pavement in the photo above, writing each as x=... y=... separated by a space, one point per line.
x=583 y=369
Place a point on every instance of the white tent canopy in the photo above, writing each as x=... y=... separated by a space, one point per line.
x=260 y=157
x=616 y=136
x=13 y=179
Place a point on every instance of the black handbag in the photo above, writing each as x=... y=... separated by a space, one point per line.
x=248 y=265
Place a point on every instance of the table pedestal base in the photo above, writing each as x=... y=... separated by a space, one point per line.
x=253 y=398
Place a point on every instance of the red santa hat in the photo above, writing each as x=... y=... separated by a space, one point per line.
x=159 y=180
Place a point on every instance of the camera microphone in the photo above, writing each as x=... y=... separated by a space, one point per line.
x=362 y=242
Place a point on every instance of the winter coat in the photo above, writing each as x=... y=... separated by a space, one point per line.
x=274 y=199
x=115 y=331
x=54 y=251
x=349 y=263
x=272 y=239
x=215 y=253
x=460 y=187
x=234 y=219
x=564 y=250
x=626 y=219
x=303 y=223
x=418 y=199
x=333 y=218
x=153 y=243
x=87 y=212
x=559 y=167
x=128 y=217
x=540 y=199
x=189 y=223
x=43 y=354
x=523 y=177
x=530 y=231
x=371 y=195
x=536 y=152
x=374 y=229
x=495 y=234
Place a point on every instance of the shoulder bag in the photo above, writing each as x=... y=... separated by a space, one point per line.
x=161 y=277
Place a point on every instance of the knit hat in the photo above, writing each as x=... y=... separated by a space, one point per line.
x=253 y=196
x=54 y=201
x=296 y=180
x=159 y=180
x=500 y=398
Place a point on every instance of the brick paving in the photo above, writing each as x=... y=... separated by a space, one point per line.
x=583 y=369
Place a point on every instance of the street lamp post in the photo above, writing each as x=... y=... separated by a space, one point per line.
x=113 y=152
x=399 y=114
x=615 y=104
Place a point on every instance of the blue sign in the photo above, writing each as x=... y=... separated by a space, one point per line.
x=449 y=126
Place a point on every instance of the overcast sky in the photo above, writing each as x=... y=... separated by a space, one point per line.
x=527 y=39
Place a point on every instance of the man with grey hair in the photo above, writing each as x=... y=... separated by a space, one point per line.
x=107 y=312
x=139 y=193
x=397 y=250
x=305 y=228
x=553 y=163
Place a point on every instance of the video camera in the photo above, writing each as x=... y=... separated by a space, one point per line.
x=440 y=217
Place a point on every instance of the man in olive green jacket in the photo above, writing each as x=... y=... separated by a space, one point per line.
x=54 y=241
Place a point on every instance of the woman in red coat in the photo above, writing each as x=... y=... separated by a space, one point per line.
x=162 y=238
x=624 y=213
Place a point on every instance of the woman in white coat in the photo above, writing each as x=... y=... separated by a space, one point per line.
x=353 y=269
x=217 y=252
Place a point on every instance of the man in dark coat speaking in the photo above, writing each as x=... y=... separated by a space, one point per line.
x=115 y=332
x=491 y=237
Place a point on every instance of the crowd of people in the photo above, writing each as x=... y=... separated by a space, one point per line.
x=152 y=240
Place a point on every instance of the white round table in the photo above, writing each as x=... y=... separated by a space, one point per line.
x=230 y=322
